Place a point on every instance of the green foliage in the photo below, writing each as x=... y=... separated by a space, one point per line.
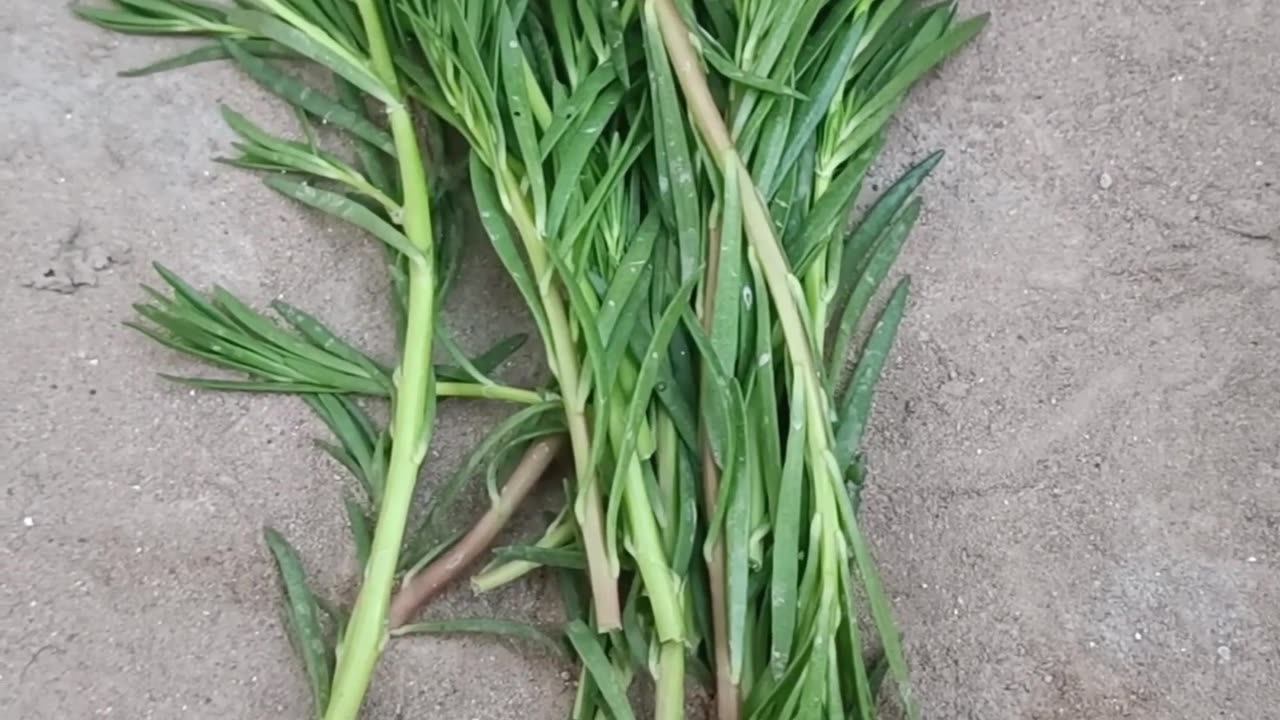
x=671 y=207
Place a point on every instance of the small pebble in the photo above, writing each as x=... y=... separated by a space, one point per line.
x=1104 y=181
x=1224 y=652
x=28 y=521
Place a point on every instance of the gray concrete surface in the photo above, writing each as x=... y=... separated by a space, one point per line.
x=1076 y=459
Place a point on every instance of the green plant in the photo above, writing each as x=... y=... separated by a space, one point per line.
x=555 y=137
x=390 y=197
x=784 y=156
x=666 y=183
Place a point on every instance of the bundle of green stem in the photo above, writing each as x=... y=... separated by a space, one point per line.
x=786 y=156
x=667 y=185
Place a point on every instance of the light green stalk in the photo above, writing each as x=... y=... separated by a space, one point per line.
x=782 y=285
x=414 y=410
x=669 y=703
x=488 y=391
x=563 y=359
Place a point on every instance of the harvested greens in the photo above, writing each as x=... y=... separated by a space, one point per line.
x=667 y=183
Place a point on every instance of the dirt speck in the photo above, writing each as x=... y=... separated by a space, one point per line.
x=77 y=264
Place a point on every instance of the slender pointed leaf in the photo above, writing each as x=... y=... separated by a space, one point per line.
x=304 y=620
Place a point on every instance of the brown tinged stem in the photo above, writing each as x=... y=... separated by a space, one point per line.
x=684 y=61
x=728 y=702
x=416 y=591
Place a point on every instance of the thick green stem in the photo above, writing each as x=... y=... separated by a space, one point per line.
x=669 y=703
x=562 y=355
x=367 y=631
x=412 y=416
x=702 y=106
x=659 y=581
x=781 y=283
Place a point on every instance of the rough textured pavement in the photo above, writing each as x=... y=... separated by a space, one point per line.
x=1077 y=473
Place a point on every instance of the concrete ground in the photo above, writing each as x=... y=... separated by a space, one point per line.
x=1077 y=474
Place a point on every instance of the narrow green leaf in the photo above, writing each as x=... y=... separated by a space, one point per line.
x=614 y=33
x=347 y=21
x=766 y=152
x=677 y=183
x=564 y=558
x=319 y=104
x=344 y=458
x=484 y=363
x=878 y=217
x=267 y=386
x=494 y=220
x=849 y=645
x=314 y=44
x=520 y=113
x=131 y=22
x=856 y=404
x=879 y=669
x=635 y=628
x=625 y=297
x=716 y=56
x=324 y=339
x=937 y=51
x=361 y=530
x=728 y=292
x=830 y=77
x=675 y=392
x=586 y=217
x=568 y=112
x=647 y=378
x=226 y=345
x=297 y=350
x=580 y=144
x=344 y=208
x=763 y=404
x=211 y=53
x=725 y=425
x=601 y=670
x=349 y=425
x=830 y=212
x=374 y=163
x=786 y=533
x=814 y=694
x=322 y=25
x=871 y=272
x=173 y=343
x=737 y=541
x=195 y=12
x=687 y=498
x=882 y=617
x=583 y=308
x=188 y=294
x=304 y=620
x=446 y=495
